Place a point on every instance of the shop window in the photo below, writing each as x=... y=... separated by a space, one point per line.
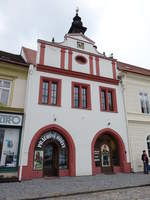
x=145 y=108
x=9 y=140
x=5 y=88
x=148 y=145
x=50 y=91
x=81 y=97
x=108 y=99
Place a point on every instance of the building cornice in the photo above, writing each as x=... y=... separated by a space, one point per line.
x=64 y=72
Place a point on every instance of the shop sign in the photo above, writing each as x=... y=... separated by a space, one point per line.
x=10 y=119
x=54 y=136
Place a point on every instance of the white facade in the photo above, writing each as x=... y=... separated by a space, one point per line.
x=81 y=124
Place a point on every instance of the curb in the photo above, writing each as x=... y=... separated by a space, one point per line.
x=84 y=192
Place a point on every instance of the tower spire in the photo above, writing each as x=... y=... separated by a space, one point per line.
x=77 y=25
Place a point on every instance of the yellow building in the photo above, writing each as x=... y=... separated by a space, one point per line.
x=136 y=90
x=13 y=81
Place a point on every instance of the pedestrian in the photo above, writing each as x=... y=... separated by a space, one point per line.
x=145 y=162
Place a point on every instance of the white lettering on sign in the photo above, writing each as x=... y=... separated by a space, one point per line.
x=54 y=136
x=10 y=119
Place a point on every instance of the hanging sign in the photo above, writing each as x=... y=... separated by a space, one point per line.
x=52 y=135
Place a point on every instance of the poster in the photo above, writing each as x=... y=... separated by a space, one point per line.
x=38 y=160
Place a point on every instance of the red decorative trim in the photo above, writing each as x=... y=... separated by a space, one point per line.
x=114 y=100
x=81 y=85
x=97 y=66
x=42 y=53
x=74 y=50
x=63 y=172
x=28 y=172
x=116 y=169
x=50 y=80
x=124 y=166
x=91 y=64
x=62 y=58
x=70 y=59
x=80 y=75
x=114 y=69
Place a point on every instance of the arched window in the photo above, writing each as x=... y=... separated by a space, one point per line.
x=148 y=145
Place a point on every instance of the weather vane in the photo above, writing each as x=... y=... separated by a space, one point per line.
x=77 y=10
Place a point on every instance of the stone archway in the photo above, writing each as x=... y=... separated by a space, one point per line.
x=28 y=172
x=124 y=166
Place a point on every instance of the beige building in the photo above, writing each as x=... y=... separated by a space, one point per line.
x=13 y=81
x=136 y=90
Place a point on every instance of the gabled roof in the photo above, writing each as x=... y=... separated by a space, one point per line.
x=30 y=55
x=12 y=58
x=133 y=69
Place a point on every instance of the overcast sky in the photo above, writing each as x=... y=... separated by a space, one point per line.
x=121 y=27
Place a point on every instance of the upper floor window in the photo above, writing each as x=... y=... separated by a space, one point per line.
x=148 y=144
x=50 y=91
x=80 y=45
x=144 y=103
x=5 y=88
x=108 y=99
x=81 y=97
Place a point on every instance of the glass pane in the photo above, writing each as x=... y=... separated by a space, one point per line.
x=110 y=101
x=103 y=93
x=63 y=158
x=45 y=91
x=10 y=148
x=76 y=97
x=6 y=84
x=105 y=155
x=0 y=83
x=84 y=97
x=142 y=102
x=54 y=93
x=48 y=156
x=4 y=96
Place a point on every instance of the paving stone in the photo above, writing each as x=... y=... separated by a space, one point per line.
x=46 y=187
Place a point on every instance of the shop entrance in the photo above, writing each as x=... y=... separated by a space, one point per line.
x=106 y=158
x=50 y=159
x=106 y=153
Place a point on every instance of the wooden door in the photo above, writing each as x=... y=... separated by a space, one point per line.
x=50 y=161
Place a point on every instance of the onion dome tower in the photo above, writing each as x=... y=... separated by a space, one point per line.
x=77 y=25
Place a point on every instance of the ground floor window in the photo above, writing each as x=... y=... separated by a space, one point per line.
x=9 y=141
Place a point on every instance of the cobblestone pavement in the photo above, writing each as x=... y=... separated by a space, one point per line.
x=48 y=187
x=140 y=193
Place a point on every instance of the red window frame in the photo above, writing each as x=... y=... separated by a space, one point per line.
x=114 y=100
x=80 y=86
x=50 y=80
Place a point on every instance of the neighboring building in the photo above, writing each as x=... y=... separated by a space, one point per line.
x=136 y=89
x=13 y=76
x=75 y=119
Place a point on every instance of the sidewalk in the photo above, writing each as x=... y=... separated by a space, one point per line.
x=52 y=187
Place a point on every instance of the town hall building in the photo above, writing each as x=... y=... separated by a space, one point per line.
x=74 y=120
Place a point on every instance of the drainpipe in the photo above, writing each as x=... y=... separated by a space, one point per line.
x=24 y=130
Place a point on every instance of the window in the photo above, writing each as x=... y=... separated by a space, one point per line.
x=50 y=91
x=9 y=141
x=81 y=97
x=108 y=99
x=148 y=145
x=144 y=103
x=80 y=45
x=5 y=86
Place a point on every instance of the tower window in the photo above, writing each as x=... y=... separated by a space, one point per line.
x=80 y=45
